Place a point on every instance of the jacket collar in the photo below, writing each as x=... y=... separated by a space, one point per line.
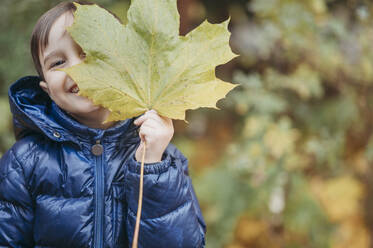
x=34 y=112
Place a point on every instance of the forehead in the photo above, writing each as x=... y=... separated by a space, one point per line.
x=58 y=31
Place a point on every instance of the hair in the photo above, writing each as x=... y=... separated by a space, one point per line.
x=40 y=34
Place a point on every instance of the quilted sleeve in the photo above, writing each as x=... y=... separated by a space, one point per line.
x=171 y=216
x=16 y=211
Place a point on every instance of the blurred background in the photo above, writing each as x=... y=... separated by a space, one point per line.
x=288 y=161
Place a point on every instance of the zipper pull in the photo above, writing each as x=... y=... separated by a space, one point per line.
x=97 y=149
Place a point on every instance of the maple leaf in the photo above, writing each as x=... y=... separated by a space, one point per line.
x=147 y=64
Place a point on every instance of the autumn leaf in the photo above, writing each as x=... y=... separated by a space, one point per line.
x=339 y=196
x=147 y=64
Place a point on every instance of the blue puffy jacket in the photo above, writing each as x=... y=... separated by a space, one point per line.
x=55 y=191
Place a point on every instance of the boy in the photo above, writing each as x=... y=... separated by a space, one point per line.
x=71 y=181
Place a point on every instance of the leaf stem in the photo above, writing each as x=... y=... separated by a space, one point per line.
x=138 y=217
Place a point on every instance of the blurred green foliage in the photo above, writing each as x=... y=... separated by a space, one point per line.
x=288 y=162
x=305 y=120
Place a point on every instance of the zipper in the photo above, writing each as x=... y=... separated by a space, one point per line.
x=115 y=217
x=99 y=196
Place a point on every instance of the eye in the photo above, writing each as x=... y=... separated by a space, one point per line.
x=57 y=63
x=83 y=55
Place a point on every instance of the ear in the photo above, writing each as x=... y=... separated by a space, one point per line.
x=44 y=86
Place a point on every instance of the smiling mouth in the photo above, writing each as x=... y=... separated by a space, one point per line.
x=74 y=89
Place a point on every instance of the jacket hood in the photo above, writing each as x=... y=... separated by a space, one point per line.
x=34 y=112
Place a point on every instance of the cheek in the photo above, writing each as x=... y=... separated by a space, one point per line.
x=55 y=80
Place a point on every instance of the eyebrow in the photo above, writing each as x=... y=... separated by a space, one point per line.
x=53 y=53
x=50 y=55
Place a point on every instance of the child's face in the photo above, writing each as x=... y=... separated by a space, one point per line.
x=63 y=52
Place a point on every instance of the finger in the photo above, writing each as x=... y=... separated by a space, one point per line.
x=151 y=114
x=152 y=111
x=158 y=117
x=157 y=126
x=151 y=126
x=151 y=123
x=143 y=117
x=155 y=113
x=139 y=120
x=144 y=133
x=161 y=119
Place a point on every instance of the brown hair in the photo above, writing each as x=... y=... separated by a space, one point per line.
x=39 y=37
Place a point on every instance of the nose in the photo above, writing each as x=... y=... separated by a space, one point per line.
x=76 y=59
x=77 y=56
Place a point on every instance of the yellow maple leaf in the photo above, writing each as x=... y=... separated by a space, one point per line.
x=147 y=64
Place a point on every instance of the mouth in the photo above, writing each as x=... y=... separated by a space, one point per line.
x=74 y=89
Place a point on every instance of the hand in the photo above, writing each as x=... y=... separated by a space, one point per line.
x=156 y=131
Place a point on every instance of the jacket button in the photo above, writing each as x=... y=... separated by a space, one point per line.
x=57 y=134
x=97 y=149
